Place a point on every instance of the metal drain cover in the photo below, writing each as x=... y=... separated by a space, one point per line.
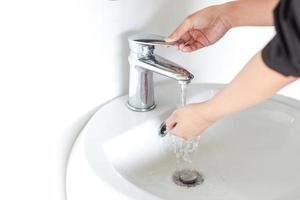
x=187 y=177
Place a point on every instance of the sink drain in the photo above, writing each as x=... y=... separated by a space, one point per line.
x=187 y=177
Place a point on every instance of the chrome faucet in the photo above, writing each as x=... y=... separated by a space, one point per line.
x=143 y=62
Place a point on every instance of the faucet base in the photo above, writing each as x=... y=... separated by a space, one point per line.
x=140 y=109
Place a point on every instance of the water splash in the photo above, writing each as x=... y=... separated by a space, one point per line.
x=184 y=150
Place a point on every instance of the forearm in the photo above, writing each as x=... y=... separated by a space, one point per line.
x=249 y=12
x=255 y=83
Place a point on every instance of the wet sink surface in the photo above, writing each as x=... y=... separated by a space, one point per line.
x=249 y=155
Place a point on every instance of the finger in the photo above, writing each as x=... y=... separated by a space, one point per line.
x=180 y=31
x=200 y=36
x=177 y=130
x=186 y=37
x=181 y=46
x=170 y=123
x=178 y=43
x=193 y=46
x=199 y=45
x=186 y=44
x=187 y=48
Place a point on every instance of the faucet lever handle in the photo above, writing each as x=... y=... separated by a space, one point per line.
x=155 y=42
x=150 y=39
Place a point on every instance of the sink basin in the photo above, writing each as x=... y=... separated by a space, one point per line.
x=253 y=154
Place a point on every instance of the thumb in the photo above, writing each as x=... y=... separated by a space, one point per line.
x=180 y=31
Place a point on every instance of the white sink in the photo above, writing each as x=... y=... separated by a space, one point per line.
x=249 y=155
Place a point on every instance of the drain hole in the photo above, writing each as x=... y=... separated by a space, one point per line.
x=187 y=177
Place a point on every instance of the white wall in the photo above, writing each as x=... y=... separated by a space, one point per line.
x=60 y=59
x=218 y=63
x=51 y=76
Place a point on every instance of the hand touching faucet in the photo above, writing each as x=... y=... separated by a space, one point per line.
x=200 y=29
x=268 y=71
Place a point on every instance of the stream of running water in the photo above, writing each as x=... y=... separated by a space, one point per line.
x=184 y=150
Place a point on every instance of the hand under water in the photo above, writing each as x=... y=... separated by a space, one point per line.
x=189 y=121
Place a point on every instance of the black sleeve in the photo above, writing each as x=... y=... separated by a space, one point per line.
x=282 y=53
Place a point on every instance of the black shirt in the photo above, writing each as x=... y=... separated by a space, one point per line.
x=282 y=53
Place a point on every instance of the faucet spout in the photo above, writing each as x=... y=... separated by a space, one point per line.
x=166 y=68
